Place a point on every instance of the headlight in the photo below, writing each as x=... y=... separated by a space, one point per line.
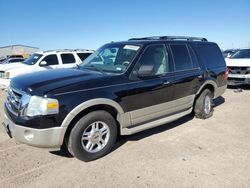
x=6 y=75
x=41 y=106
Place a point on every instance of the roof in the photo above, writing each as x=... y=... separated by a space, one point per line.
x=65 y=50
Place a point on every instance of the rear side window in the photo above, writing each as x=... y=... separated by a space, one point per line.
x=15 y=56
x=83 y=56
x=181 y=57
x=245 y=53
x=210 y=55
x=51 y=60
x=194 y=58
x=15 y=60
x=68 y=58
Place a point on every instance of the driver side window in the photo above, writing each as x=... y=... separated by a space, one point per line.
x=155 y=56
x=51 y=60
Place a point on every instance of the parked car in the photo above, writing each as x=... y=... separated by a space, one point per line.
x=44 y=60
x=2 y=59
x=229 y=53
x=15 y=56
x=121 y=89
x=239 y=68
x=12 y=60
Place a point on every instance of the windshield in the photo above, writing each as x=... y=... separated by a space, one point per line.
x=32 y=59
x=111 y=58
x=242 y=54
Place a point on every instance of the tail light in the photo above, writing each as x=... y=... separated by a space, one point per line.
x=225 y=76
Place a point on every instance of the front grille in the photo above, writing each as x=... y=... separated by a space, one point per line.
x=236 y=79
x=1 y=74
x=238 y=70
x=13 y=100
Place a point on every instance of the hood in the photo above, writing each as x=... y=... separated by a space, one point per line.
x=40 y=83
x=237 y=62
x=9 y=66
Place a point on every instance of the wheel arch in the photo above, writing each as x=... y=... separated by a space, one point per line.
x=96 y=104
x=210 y=84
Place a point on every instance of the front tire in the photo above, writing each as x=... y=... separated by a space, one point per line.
x=93 y=136
x=203 y=107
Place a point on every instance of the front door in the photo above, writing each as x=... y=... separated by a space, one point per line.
x=149 y=95
x=49 y=62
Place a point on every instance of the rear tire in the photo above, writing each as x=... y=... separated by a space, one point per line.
x=203 y=107
x=93 y=136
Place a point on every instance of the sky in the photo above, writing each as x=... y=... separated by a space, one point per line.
x=61 y=24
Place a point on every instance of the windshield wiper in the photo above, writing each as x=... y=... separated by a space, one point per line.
x=92 y=67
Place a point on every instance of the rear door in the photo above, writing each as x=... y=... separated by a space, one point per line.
x=213 y=61
x=187 y=75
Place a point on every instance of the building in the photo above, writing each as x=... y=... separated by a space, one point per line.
x=17 y=50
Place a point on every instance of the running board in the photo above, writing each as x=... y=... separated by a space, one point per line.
x=149 y=125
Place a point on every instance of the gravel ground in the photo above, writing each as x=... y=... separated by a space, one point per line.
x=187 y=153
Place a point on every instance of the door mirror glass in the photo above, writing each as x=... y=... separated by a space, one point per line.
x=145 y=71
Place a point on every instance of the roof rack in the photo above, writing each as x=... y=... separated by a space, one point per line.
x=66 y=50
x=171 y=38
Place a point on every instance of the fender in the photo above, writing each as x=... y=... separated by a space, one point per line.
x=90 y=103
x=122 y=118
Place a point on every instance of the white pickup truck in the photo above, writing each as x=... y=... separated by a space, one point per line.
x=239 y=67
x=42 y=61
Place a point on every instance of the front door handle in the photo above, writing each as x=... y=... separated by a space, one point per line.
x=166 y=83
x=200 y=76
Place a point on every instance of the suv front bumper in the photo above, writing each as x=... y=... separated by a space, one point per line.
x=43 y=138
x=238 y=79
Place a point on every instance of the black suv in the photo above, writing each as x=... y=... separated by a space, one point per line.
x=121 y=89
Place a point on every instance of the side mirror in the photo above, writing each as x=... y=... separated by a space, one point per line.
x=43 y=63
x=145 y=71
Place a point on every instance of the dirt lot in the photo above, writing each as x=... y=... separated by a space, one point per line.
x=187 y=153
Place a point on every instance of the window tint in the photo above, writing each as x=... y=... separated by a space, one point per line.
x=68 y=58
x=51 y=60
x=194 y=58
x=157 y=57
x=83 y=56
x=210 y=54
x=245 y=53
x=181 y=57
x=15 y=56
x=15 y=60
